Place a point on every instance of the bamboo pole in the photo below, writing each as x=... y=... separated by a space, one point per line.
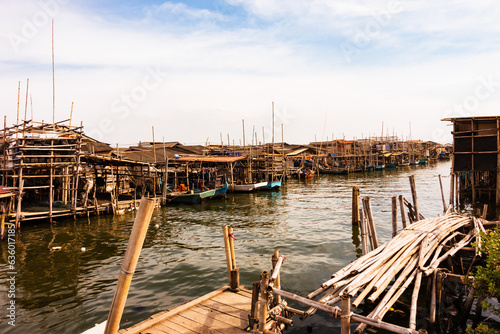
x=275 y=279
x=414 y=195
x=345 y=317
x=53 y=80
x=227 y=248
x=371 y=225
x=442 y=193
x=264 y=296
x=394 y=216
x=127 y=270
x=402 y=208
x=355 y=206
x=254 y=309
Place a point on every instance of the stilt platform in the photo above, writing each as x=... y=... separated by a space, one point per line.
x=221 y=311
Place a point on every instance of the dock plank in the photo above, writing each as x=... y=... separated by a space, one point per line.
x=220 y=316
x=193 y=325
x=227 y=309
x=212 y=323
x=219 y=312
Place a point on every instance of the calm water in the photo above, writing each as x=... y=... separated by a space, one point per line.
x=68 y=290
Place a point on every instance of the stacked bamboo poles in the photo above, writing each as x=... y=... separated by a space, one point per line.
x=386 y=272
x=232 y=271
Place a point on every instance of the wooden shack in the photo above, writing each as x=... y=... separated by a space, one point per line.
x=476 y=161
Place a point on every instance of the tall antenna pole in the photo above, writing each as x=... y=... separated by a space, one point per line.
x=53 y=80
x=243 y=123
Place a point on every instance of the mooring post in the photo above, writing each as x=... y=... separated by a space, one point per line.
x=264 y=296
x=127 y=270
x=355 y=205
x=402 y=208
x=442 y=193
x=414 y=195
x=345 y=317
x=254 y=309
x=394 y=216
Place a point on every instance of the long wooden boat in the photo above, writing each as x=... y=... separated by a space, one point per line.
x=221 y=192
x=393 y=165
x=275 y=185
x=333 y=170
x=245 y=188
x=190 y=196
x=423 y=161
x=379 y=167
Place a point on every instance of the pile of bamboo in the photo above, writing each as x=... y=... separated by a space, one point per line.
x=386 y=272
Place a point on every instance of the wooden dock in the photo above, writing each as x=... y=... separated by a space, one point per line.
x=221 y=311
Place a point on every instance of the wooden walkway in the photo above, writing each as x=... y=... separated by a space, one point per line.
x=221 y=311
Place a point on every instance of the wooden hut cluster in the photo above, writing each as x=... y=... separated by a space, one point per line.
x=476 y=161
x=52 y=170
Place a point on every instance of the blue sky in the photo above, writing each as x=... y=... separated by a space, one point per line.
x=195 y=69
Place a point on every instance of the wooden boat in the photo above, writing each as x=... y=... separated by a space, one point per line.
x=423 y=161
x=334 y=170
x=404 y=163
x=379 y=167
x=189 y=197
x=221 y=192
x=275 y=185
x=413 y=163
x=369 y=168
x=393 y=165
x=245 y=188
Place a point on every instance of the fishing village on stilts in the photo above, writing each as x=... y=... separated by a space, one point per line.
x=54 y=171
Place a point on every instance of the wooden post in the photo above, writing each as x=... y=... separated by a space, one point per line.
x=232 y=271
x=485 y=211
x=345 y=318
x=254 y=309
x=414 y=195
x=51 y=180
x=277 y=282
x=402 y=208
x=371 y=225
x=264 y=296
x=442 y=193
x=452 y=189
x=129 y=264
x=394 y=216
x=355 y=205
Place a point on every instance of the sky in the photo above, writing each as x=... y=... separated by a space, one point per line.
x=198 y=71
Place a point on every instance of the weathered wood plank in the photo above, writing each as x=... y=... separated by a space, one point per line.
x=233 y=299
x=227 y=309
x=193 y=325
x=173 y=328
x=204 y=321
x=224 y=317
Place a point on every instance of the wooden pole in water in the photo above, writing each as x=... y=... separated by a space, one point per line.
x=264 y=296
x=402 y=208
x=371 y=225
x=414 y=195
x=355 y=205
x=394 y=216
x=345 y=318
x=277 y=282
x=53 y=80
x=227 y=248
x=442 y=193
x=129 y=264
